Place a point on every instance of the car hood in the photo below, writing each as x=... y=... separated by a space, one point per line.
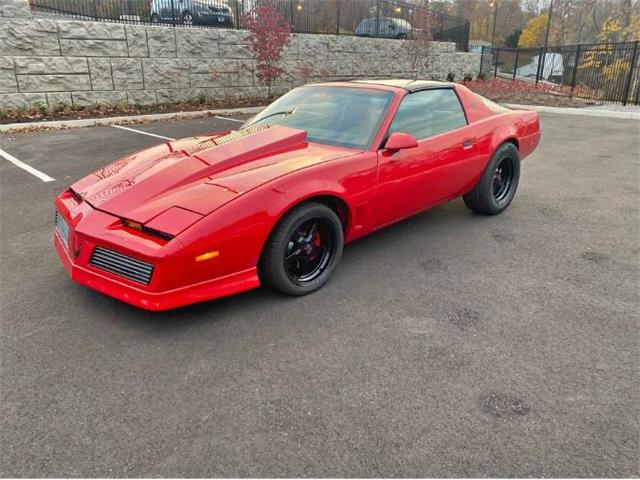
x=200 y=174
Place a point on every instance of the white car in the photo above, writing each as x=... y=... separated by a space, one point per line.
x=387 y=28
x=553 y=67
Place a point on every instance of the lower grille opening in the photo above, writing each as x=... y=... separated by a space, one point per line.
x=123 y=265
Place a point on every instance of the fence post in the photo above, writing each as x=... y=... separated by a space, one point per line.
x=238 y=14
x=540 y=57
x=337 y=17
x=377 y=30
x=515 y=63
x=291 y=12
x=495 y=72
x=480 y=74
x=627 y=87
x=574 y=75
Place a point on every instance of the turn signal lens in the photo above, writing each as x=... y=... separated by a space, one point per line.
x=207 y=256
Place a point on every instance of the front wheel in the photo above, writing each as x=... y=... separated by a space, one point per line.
x=498 y=184
x=303 y=251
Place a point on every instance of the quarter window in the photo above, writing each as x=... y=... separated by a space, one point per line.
x=429 y=112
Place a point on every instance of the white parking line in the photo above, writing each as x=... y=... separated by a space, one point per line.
x=42 y=176
x=230 y=119
x=141 y=132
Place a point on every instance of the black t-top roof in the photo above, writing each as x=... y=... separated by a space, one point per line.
x=407 y=84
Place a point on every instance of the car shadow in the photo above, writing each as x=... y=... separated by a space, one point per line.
x=263 y=298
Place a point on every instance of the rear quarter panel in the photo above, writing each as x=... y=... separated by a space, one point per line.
x=493 y=128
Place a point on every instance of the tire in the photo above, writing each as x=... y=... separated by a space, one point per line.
x=498 y=184
x=294 y=248
x=187 y=18
x=155 y=18
x=401 y=36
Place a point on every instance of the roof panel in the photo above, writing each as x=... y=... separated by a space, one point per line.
x=407 y=84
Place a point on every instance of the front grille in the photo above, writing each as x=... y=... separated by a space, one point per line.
x=123 y=265
x=62 y=227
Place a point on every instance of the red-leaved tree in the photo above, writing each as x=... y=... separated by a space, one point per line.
x=269 y=34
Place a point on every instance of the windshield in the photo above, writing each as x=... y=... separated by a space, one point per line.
x=342 y=116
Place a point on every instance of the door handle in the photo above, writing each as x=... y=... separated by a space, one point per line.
x=467 y=144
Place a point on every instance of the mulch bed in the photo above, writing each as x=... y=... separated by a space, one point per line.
x=527 y=93
x=103 y=111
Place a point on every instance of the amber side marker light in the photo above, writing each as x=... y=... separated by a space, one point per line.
x=207 y=256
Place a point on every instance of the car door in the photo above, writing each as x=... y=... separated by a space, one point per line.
x=436 y=170
x=387 y=28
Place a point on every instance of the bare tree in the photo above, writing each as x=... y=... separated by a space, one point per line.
x=419 y=42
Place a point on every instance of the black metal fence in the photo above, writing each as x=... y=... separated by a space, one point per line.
x=607 y=72
x=375 y=18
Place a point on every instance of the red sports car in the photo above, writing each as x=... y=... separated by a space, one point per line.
x=274 y=202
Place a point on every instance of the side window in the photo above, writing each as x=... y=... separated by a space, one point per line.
x=428 y=113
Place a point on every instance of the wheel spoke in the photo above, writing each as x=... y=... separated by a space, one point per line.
x=293 y=254
x=502 y=179
x=312 y=231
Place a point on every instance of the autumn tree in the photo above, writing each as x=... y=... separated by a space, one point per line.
x=269 y=34
x=533 y=33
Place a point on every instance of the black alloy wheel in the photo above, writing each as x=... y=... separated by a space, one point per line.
x=303 y=250
x=309 y=251
x=502 y=179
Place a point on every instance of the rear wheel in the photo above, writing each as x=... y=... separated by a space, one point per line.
x=497 y=186
x=155 y=18
x=303 y=250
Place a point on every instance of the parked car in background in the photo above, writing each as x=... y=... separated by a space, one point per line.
x=192 y=12
x=386 y=27
x=552 y=70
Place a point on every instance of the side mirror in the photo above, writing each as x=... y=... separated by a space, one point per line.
x=400 y=141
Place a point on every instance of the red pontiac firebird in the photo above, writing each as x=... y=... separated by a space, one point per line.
x=274 y=202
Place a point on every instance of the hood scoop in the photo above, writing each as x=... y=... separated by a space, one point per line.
x=195 y=145
x=244 y=147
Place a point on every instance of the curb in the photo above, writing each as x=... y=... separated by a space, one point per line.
x=587 y=112
x=94 y=122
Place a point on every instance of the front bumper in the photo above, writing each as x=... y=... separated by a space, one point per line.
x=156 y=301
x=172 y=284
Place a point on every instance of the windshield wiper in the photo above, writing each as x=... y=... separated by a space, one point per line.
x=281 y=112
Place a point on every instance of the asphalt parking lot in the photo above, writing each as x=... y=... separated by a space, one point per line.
x=448 y=345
